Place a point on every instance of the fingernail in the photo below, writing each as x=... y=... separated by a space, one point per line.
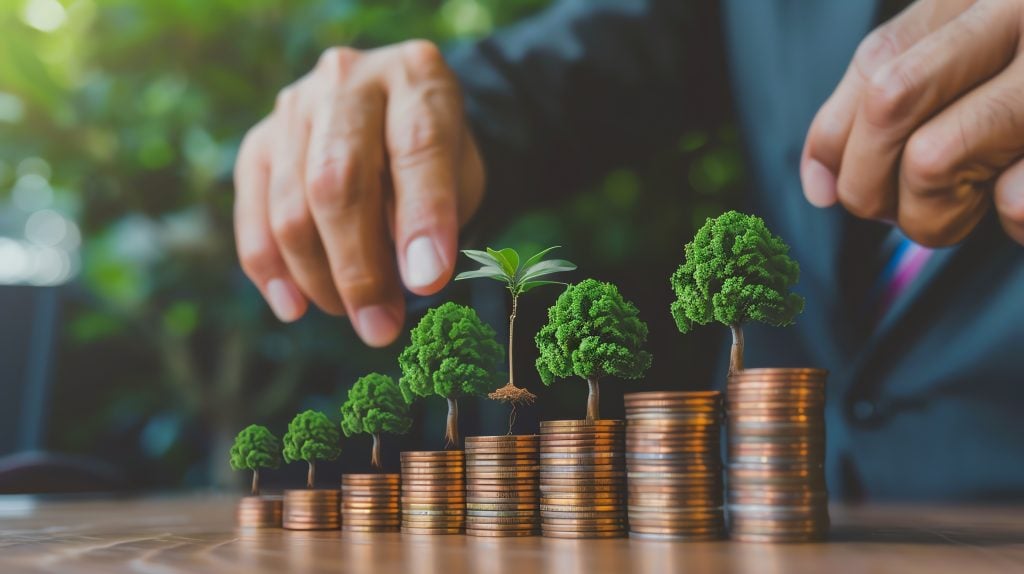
x=819 y=183
x=376 y=325
x=423 y=263
x=285 y=300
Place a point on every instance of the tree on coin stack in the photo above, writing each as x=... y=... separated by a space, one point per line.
x=503 y=265
x=735 y=271
x=375 y=405
x=369 y=502
x=592 y=332
x=452 y=354
x=256 y=447
x=311 y=437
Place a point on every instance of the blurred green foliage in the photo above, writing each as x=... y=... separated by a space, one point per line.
x=138 y=107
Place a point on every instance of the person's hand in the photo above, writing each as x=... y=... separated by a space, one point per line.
x=926 y=128
x=363 y=172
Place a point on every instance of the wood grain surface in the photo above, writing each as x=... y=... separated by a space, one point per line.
x=196 y=534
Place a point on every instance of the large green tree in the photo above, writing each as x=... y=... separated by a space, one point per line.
x=375 y=405
x=451 y=354
x=255 y=448
x=311 y=437
x=592 y=332
x=735 y=271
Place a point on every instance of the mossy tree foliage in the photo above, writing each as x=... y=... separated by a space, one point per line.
x=735 y=271
x=451 y=354
x=592 y=332
x=375 y=405
x=311 y=437
x=255 y=447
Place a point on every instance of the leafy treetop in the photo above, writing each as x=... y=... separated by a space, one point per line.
x=255 y=447
x=375 y=404
x=311 y=436
x=592 y=331
x=735 y=271
x=452 y=353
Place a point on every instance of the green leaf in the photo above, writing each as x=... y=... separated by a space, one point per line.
x=529 y=285
x=547 y=268
x=508 y=258
x=540 y=255
x=483 y=258
x=490 y=273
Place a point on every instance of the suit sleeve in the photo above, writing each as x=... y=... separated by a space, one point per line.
x=585 y=86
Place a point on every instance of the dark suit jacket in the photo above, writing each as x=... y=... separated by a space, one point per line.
x=929 y=403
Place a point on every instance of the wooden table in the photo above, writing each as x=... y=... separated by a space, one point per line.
x=196 y=534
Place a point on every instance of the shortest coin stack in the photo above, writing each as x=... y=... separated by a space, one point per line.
x=501 y=485
x=369 y=502
x=311 y=509
x=260 y=512
x=674 y=464
x=433 y=492
x=582 y=479
x=776 y=426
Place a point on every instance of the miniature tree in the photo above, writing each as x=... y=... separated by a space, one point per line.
x=503 y=265
x=451 y=354
x=255 y=448
x=735 y=271
x=592 y=332
x=311 y=437
x=375 y=405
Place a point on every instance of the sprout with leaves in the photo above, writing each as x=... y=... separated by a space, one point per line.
x=311 y=437
x=503 y=265
x=375 y=405
x=451 y=354
x=255 y=448
x=735 y=271
x=592 y=331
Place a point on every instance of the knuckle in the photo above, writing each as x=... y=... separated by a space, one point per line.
x=422 y=53
x=890 y=92
x=286 y=99
x=875 y=49
x=290 y=224
x=866 y=205
x=422 y=134
x=338 y=61
x=257 y=258
x=330 y=183
x=927 y=163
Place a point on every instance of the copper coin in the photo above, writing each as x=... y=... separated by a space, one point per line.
x=553 y=488
x=387 y=478
x=433 y=531
x=585 y=534
x=582 y=423
x=501 y=506
x=669 y=395
x=562 y=514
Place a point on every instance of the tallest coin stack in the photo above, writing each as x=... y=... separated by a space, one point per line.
x=776 y=478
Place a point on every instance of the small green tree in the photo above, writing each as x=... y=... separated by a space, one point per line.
x=311 y=437
x=375 y=405
x=451 y=354
x=503 y=265
x=735 y=271
x=592 y=331
x=255 y=448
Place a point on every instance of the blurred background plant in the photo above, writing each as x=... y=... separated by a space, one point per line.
x=119 y=124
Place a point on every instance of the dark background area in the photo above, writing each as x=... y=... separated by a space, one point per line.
x=124 y=118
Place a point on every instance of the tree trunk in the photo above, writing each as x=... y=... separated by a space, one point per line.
x=451 y=432
x=736 y=353
x=375 y=453
x=593 y=400
x=511 y=339
x=311 y=475
x=256 y=482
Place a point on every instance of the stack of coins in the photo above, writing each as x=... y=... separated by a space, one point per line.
x=311 y=509
x=501 y=485
x=259 y=512
x=674 y=465
x=369 y=502
x=582 y=479
x=433 y=492
x=776 y=476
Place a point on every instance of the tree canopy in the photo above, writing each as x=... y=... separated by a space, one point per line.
x=452 y=353
x=592 y=331
x=255 y=447
x=311 y=436
x=375 y=404
x=735 y=271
